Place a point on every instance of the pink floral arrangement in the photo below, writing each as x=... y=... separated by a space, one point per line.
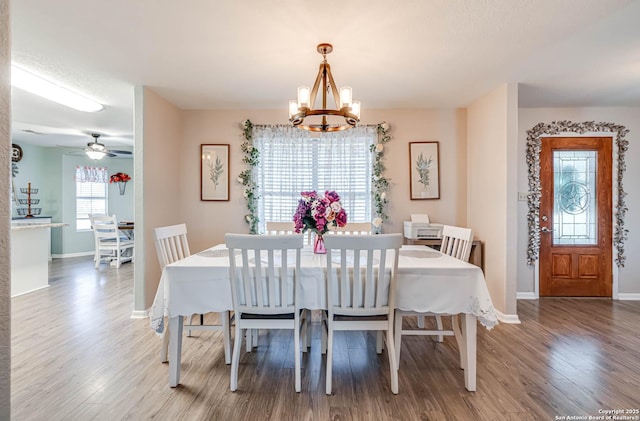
x=318 y=214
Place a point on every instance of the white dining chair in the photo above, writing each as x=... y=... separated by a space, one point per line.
x=171 y=246
x=456 y=242
x=353 y=228
x=361 y=273
x=286 y=228
x=109 y=244
x=265 y=287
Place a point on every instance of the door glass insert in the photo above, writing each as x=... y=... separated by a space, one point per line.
x=574 y=201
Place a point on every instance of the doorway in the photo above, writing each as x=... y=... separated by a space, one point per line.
x=576 y=217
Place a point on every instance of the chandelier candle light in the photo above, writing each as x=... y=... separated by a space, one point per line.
x=317 y=213
x=345 y=107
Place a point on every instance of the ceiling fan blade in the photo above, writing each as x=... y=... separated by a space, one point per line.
x=119 y=152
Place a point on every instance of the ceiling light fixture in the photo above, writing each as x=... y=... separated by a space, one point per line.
x=303 y=107
x=29 y=82
x=95 y=149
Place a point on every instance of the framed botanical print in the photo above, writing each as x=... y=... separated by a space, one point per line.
x=214 y=172
x=424 y=170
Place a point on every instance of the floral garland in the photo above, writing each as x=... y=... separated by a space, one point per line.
x=534 y=145
x=380 y=183
x=246 y=178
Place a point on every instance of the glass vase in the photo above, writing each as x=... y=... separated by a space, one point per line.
x=318 y=245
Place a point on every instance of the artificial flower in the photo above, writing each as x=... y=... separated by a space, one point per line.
x=119 y=177
x=379 y=147
x=377 y=222
x=318 y=213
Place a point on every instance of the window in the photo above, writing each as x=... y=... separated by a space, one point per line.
x=291 y=161
x=91 y=194
x=90 y=198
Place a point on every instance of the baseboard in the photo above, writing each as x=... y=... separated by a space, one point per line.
x=139 y=314
x=31 y=290
x=511 y=319
x=67 y=255
x=629 y=296
x=526 y=296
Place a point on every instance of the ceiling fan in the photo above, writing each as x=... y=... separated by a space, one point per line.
x=97 y=150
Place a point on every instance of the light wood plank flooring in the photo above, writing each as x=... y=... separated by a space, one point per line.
x=77 y=355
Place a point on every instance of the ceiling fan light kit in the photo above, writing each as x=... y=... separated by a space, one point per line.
x=96 y=150
x=36 y=85
x=345 y=107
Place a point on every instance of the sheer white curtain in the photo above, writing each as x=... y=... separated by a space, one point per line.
x=91 y=175
x=294 y=160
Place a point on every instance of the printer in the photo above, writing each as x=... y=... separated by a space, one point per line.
x=420 y=228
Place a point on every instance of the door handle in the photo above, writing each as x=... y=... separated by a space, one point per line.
x=545 y=229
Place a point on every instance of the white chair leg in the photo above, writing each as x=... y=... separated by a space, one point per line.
x=248 y=336
x=226 y=336
x=296 y=350
x=329 y=358
x=398 y=338
x=190 y=322
x=421 y=321
x=439 y=324
x=457 y=333
x=254 y=339
x=379 y=342
x=323 y=337
x=235 y=360
x=308 y=329
x=392 y=361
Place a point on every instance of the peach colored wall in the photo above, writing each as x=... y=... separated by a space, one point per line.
x=158 y=184
x=629 y=276
x=207 y=222
x=488 y=188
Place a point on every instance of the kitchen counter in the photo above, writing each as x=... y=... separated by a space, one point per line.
x=30 y=243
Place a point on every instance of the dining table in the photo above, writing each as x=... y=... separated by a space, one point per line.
x=426 y=281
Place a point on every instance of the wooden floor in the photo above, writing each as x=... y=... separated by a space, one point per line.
x=77 y=355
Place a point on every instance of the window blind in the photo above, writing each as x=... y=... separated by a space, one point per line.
x=292 y=161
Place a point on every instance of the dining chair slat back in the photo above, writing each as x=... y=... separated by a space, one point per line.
x=286 y=228
x=456 y=242
x=108 y=241
x=361 y=289
x=172 y=246
x=264 y=289
x=354 y=228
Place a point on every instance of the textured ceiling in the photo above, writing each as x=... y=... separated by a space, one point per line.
x=203 y=54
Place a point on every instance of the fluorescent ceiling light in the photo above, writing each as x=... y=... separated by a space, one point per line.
x=29 y=82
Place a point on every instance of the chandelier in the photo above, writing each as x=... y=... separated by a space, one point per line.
x=344 y=106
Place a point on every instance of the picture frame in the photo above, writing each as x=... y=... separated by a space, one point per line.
x=214 y=172
x=424 y=170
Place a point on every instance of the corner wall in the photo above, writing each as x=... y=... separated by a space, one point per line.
x=491 y=190
x=156 y=183
x=5 y=212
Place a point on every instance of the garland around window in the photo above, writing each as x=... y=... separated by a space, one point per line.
x=534 y=145
x=380 y=183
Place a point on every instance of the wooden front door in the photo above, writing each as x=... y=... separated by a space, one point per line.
x=575 y=217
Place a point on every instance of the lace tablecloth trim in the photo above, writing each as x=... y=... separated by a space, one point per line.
x=487 y=316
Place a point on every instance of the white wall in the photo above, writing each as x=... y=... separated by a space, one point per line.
x=5 y=212
x=491 y=194
x=629 y=276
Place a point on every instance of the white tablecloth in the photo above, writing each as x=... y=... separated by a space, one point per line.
x=427 y=281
